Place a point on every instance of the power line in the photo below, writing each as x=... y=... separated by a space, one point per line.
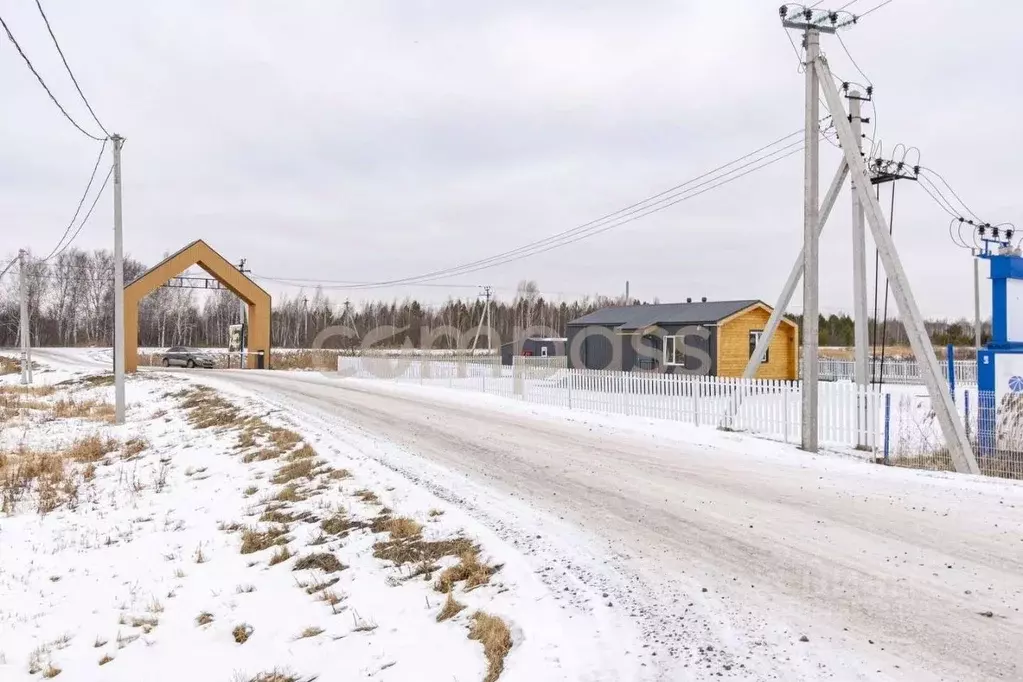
x=942 y=203
x=944 y=182
x=849 y=55
x=81 y=202
x=39 y=78
x=86 y=218
x=68 y=68
x=632 y=212
x=624 y=221
x=8 y=266
x=873 y=9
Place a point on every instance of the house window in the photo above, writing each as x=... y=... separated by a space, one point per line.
x=675 y=350
x=754 y=339
x=543 y=351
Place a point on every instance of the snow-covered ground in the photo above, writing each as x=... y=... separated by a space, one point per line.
x=634 y=549
x=130 y=567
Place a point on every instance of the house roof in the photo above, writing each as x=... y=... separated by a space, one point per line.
x=633 y=317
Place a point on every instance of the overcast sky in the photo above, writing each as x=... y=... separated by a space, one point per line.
x=378 y=139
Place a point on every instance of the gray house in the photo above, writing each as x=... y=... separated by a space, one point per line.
x=703 y=337
x=533 y=346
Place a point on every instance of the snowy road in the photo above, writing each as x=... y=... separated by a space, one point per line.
x=887 y=573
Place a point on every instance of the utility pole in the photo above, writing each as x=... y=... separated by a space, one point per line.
x=813 y=22
x=976 y=299
x=960 y=451
x=118 y=287
x=626 y=292
x=859 y=249
x=859 y=245
x=305 y=320
x=811 y=217
x=484 y=316
x=241 y=320
x=26 y=339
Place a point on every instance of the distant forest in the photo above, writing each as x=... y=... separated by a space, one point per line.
x=71 y=303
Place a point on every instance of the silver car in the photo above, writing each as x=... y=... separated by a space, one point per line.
x=180 y=356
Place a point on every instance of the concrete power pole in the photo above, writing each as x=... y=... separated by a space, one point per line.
x=241 y=320
x=976 y=299
x=26 y=339
x=859 y=253
x=811 y=217
x=305 y=320
x=859 y=249
x=960 y=451
x=484 y=318
x=118 y=287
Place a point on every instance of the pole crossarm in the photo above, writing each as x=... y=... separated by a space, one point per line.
x=951 y=426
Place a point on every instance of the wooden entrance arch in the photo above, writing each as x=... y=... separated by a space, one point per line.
x=199 y=253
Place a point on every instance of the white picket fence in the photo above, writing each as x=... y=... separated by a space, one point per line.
x=894 y=371
x=848 y=416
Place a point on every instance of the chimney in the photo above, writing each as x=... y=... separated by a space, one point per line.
x=704 y=299
x=689 y=300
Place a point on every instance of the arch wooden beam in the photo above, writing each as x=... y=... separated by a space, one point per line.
x=199 y=253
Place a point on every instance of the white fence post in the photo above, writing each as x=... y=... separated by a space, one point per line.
x=785 y=412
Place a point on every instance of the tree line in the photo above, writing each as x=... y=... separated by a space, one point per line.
x=71 y=304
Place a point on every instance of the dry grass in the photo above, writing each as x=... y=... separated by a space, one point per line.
x=9 y=365
x=435 y=513
x=323 y=561
x=451 y=609
x=91 y=449
x=300 y=468
x=133 y=447
x=279 y=676
x=320 y=358
x=255 y=541
x=261 y=455
x=311 y=631
x=106 y=659
x=277 y=515
x=250 y=491
x=320 y=586
x=204 y=618
x=206 y=409
x=70 y=408
x=283 y=439
x=49 y=475
x=51 y=671
x=417 y=551
x=304 y=452
x=146 y=623
x=469 y=569
x=242 y=633
x=289 y=493
x=48 y=478
x=340 y=523
x=280 y=556
x=367 y=496
x=338 y=474
x=18 y=389
x=404 y=528
x=493 y=634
